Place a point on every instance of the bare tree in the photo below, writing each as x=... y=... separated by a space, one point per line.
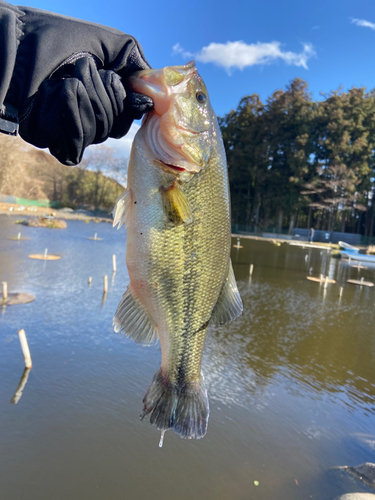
x=104 y=162
x=333 y=191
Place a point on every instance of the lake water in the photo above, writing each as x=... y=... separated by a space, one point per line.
x=291 y=382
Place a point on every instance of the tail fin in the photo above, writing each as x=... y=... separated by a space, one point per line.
x=183 y=408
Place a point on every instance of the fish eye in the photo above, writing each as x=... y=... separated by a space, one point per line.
x=201 y=97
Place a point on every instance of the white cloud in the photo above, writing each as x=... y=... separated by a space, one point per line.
x=364 y=23
x=123 y=145
x=177 y=49
x=122 y=148
x=239 y=55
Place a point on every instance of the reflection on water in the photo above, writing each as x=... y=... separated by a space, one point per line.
x=291 y=382
x=321 y=346
x=21 y=386
x=321 y=341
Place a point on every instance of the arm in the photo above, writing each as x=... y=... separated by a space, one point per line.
x=61 y=81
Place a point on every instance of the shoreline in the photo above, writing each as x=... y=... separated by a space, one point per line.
x=13 y=210
x=288 y=241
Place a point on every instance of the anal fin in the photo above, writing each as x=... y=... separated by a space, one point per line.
x=132 y=318
x=121 y=211
x=229 y=305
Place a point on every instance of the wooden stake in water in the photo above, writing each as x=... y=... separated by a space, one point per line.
x=89 y=280
x=238 y=245
x=25 y=348
x=5 y=290
x=95 y=236
x=341 y=290
x=18 y=236
x=326 y=282
x=114 y=263
x=45 y=253
x=105 y=283
x=251 y=269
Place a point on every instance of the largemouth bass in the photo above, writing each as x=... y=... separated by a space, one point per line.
x=176 y=209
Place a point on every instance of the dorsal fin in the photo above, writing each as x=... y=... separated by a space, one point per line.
x=229 y=304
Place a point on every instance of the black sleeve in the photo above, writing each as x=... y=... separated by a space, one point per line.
x=10 y=34
x=53 y=67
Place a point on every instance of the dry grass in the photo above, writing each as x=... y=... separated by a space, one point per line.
x=30 y=172
x=44 y=222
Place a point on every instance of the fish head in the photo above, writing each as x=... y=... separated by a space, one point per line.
x=181 y=126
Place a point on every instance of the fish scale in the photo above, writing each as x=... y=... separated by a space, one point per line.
x=198 y=290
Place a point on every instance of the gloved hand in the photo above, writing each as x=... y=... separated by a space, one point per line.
x=68 y=83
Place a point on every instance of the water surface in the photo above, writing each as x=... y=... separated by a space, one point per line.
x=291 y=382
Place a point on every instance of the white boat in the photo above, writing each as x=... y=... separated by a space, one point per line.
x=362 y=257
x=352 y=253
x=347 y=247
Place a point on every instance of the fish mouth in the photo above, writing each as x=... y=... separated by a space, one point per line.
x=159 y=83
x=147 y=81
x=150 y=82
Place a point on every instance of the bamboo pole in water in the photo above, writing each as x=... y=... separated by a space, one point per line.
x=114 y=263
x=105 y=283
x=25 y=348
x=5 y=290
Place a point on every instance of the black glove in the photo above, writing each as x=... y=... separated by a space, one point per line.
x=68 y=114
x=67 y=82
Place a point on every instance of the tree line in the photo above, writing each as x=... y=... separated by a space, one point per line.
x=27 y=172
x=97 y=181
x=298 y=162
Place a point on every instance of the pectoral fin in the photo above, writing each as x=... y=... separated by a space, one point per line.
x=229 y=305
x=175 y=204
x=132 y=318
x=121 y=212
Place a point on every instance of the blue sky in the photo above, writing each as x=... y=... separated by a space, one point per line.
x=245 y=47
